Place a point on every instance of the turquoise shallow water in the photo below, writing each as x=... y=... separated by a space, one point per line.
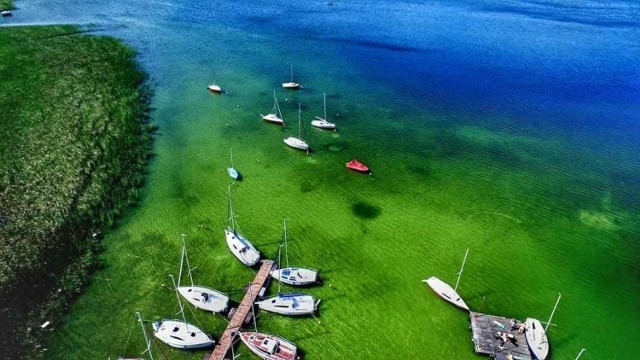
x=507 y=128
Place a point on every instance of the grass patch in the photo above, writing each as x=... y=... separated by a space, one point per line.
x=74 y=143
x=6 y=5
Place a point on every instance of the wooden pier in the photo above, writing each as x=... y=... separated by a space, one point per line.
x=243 y=310
x=486 y=341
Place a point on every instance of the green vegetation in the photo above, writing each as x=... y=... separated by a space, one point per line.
x=74 y=143
x=6 y=5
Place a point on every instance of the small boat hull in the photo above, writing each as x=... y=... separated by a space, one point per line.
x=291 y=85
x=205 y=298
x=6 y=13
x=181 y=335
x=268 y=346
x=273 y=118
x=357 y=166
x=241 y=248
x=214 y=88
x=289 y=304
x=536 y=339
x=233 y=173
x=296 y=143
x=295 y=276
x=446 y=292
x=323 y=124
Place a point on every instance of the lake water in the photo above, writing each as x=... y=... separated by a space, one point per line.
x=511 y=128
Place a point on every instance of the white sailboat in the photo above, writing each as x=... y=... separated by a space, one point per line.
x=201 y=297
x=268 y=346
x=297 y=142
x=147 y=341
x=231 y=170
x=291 y=84
x=276 y=115
x=536 y=335
x=239 y=246
x=214 y=88
x=292 y=304
x=321 y=122
x=180 y=334
x=293 y=275
x=445 y=291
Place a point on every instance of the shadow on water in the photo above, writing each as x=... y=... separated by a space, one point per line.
x=364 y=210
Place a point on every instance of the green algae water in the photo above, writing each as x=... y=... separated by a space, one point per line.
x=506 y=129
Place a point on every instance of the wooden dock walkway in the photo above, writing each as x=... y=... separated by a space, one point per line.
x=243 y=310
x=485 y=329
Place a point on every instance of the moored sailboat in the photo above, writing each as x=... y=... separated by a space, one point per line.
x=297 y=142
x=233 y=173
x=536 y=335
x=239 y=245
x=201 y=297
x=291 y=304
x=269 y=346
x=294 y=275
x=291 y=84
x=180 y=334
x=276 y=115
x=322 y=122
x=445 y=291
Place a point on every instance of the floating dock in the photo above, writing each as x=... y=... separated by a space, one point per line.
x=485 y=329
x=243 y=310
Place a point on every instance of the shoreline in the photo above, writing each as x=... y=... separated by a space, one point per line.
x=75 y=149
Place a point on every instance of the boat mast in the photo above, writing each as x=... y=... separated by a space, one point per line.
x=299 y=122
x=231 y=152
x=181 y=259
x=276 y=107
x=324 y=101
x=552 y=312
x=231 y=216
x=179 y=302
x=286 y=244
x=291 y=72
x=461 y=268
x=146 y=337
x=186 y=256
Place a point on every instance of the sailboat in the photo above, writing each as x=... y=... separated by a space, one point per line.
x=536 y=335
x=445 y=291
x=297 y=142
x=293 y=275
x=321 y=122
x=180 y=334
x=291 y=304
x=214 y=88
x=268 y=346
x=239 y=246
x=231 y=170
x=200 y=296
x=276 y=115
x=147 y=341
x=291 y=84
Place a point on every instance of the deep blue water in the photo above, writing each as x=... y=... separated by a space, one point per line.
x=563 y=73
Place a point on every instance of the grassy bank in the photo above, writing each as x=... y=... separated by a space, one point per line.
x=74 y=143
x=6 y=4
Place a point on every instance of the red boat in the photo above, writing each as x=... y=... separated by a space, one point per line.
x=357 y=166
x=268 y=346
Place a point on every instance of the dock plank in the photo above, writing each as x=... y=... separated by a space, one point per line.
x=226 y=340
x=485 y=327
